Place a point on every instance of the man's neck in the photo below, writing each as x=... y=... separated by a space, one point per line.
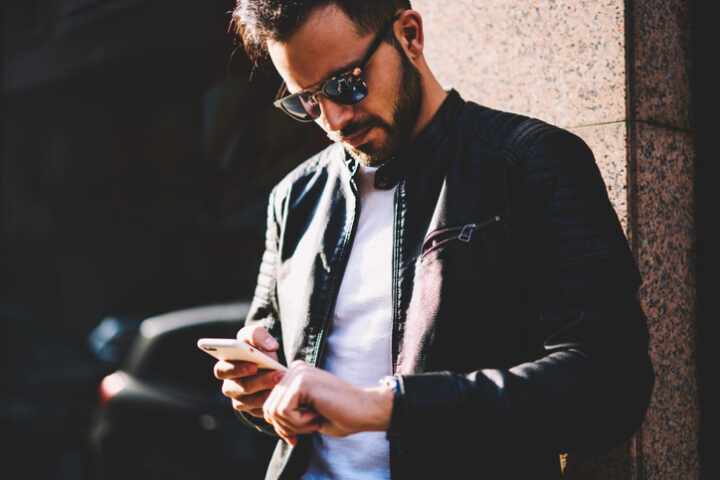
x=433 y=97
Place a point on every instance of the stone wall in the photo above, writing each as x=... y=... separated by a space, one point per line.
x=617 y=73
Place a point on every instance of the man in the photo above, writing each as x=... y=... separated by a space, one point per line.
x=472 y=254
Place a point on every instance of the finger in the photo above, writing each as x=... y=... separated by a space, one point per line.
x=291 y=440
x=258 y=337
x=261 y=381
x=314 y=425
x=256 y=412
x=273 y=399
x=285 y=432
x=300 y=421
x=281 y=426
x=253 y=402
x=267 y=406
x=289 y=431
x=292 y=415
x=240 y=407
x=239 y=387
x=226 y=370
x=284 y=410
x=299 y=364
x=287 y=437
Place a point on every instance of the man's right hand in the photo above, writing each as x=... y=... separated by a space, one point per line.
x=247 y=386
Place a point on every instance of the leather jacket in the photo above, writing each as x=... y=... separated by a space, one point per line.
x=516 y=330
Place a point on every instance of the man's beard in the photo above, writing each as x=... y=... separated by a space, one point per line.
x=405 y=115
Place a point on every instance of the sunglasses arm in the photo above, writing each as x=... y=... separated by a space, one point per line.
x=376 y=43
x=281 y=91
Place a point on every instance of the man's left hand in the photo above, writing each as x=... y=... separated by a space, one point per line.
x=308 y=399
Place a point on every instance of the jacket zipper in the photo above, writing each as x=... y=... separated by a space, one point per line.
x=336 y=280
x=463 y=234
x=396 y=258
x=335 y=287
x=396 y=443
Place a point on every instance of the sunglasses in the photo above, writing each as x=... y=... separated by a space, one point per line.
x=346 y=89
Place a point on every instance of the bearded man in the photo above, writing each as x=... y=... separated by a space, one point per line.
x=449 y=284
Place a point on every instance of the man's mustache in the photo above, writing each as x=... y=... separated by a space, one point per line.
x=355 y=127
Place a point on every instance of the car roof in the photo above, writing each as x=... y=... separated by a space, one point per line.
x=160 y=324
x=157 y=329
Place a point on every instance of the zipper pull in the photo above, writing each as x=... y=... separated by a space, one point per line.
x=467 y=232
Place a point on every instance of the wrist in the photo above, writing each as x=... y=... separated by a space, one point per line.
x=380 y=400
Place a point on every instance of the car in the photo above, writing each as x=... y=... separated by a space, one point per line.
x=161 y=413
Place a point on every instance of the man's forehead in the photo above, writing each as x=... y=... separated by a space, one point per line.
x=327 y=43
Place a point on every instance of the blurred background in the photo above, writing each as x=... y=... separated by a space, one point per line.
x=136 y=158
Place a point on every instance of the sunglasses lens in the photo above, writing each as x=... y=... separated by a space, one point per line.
x=301 y=107
x=346 y=89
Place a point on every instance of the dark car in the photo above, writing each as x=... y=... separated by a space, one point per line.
x=162 y=414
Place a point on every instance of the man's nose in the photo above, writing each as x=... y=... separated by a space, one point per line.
x=334 y=115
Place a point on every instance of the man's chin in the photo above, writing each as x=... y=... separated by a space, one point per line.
x=366 y=154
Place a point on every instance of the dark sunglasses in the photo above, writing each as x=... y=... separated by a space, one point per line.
x=346 y=89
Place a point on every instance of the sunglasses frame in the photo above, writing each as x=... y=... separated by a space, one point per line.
x=351 y=76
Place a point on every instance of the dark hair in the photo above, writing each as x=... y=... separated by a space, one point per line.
x=257 y=21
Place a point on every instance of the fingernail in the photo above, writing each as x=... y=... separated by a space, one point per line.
x=278 y=376
x=270 y=343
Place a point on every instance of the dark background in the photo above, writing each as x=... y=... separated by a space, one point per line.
x=706 y=106
x=134 y=173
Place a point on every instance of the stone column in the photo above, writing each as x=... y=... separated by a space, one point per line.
x=661 y=160
x=616 y=73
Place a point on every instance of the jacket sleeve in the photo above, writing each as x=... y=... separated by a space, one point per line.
x=588 y=389
x=264 y=309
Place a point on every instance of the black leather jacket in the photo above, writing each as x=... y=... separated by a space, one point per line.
x=516 y=327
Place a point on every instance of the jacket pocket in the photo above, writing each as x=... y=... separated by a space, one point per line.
x=463 y=233
x=459 y=298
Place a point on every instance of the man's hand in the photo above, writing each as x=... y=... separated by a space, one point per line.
x=242 y=382
x=309 y=399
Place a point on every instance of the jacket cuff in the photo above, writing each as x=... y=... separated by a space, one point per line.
x=423 y=397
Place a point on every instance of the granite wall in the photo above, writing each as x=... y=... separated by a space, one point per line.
x=618 y=74
x=661 y=161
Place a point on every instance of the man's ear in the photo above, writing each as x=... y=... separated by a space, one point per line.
x=409 y=32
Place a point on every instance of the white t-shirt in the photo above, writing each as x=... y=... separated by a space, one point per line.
x=359 y=343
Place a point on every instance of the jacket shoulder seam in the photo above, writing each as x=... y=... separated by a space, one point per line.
x=515 y=144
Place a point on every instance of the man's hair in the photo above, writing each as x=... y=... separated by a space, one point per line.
x=259 y=21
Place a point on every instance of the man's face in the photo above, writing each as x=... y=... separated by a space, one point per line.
x=328 y=43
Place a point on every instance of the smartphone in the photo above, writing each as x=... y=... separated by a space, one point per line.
x=231 y=349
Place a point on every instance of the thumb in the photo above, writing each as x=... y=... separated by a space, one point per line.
x=259 y=337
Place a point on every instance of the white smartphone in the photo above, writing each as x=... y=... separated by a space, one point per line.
x=232 y=349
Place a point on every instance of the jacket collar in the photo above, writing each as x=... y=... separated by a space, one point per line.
x=420 y=148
